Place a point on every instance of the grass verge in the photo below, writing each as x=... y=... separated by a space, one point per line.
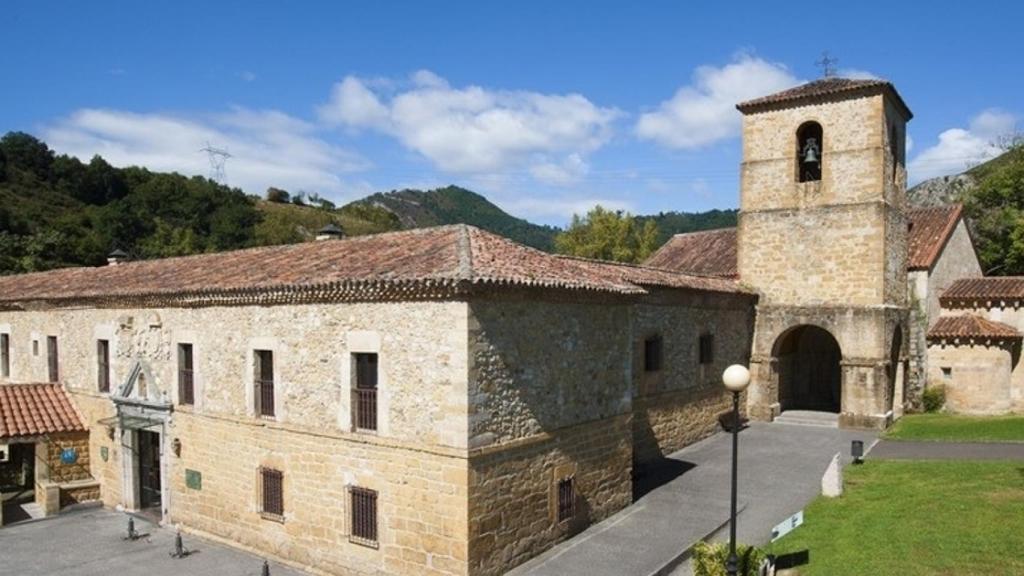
x=955 y=428
x=916 y=518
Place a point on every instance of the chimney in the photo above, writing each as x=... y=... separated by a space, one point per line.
x=330 y=232
x=117 y=257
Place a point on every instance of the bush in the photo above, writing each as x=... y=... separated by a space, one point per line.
x=709 y=559
x=278 y=195
x=934 y=398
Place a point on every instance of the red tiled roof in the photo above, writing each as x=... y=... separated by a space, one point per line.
x=444 y=257
x=36 y=409
x=713 y=252
x=646 y=275
x=710 y=253
x=983 y=290
x=930 y=229
x=970 y=326
x=821 y=89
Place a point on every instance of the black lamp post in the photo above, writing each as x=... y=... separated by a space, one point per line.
x=736 y=378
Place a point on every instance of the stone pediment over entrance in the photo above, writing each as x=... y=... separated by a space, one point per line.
x=140 y=387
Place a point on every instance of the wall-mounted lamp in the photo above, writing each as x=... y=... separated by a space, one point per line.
x=176 y=447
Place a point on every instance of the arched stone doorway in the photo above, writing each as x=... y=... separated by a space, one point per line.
x=809 y=372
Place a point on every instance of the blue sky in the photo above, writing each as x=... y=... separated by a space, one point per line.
x=545 y=107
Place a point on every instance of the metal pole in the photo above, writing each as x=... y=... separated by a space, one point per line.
x=732 y=563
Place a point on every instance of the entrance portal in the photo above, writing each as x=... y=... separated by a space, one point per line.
x=810 y=377
x=149 y=470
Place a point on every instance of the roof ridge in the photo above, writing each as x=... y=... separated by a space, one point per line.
x=639 y=266
x=465 y=264
x=708 y=231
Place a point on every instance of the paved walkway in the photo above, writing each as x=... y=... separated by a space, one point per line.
x=780 y=471
x=89 y=543
x=904 y=450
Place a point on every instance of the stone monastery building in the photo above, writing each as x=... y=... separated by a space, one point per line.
x=445 y=401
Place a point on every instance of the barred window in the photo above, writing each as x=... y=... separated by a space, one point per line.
x=264 y=381
x=566 y=498
x=5 y=355
x=186 y=375
x=103 y=365
x=707 y=348
x=364 y=516
x=652 y=354
x=364 y=395
x=51 y=358
x=272 y=493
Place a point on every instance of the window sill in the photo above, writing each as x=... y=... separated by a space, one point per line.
x=272 y=517
x=364 y=542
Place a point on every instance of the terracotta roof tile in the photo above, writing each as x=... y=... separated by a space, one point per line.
x=970 y=326
x=984 y=290
x=35 y=409
x=823 y=88
x=456 y=255
x=930 y=229
x=710 y=253
x=646 y=275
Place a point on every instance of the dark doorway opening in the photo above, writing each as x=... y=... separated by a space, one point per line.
x=149 y=471
x=810 y=376
x=17 y=482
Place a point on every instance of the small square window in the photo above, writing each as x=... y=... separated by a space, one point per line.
x=652 y=354
x=272 y=493
x=363 y=516
x=947 y=373
x=707 y=348
x=566 y=498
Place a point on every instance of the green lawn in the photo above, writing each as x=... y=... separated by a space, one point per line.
x=958 y=428
x=916 y=518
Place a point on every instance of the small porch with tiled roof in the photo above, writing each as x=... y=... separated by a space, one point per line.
x=44 y=465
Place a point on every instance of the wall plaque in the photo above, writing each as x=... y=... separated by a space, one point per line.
x=193 y=479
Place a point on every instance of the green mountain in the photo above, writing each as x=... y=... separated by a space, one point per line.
x=454 y=205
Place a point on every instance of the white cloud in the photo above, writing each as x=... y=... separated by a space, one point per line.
x=856 y=74
x=960 y=148
x=247 y=75
x=704 y=112
x=476 y=130
x=554 y=209
x=268 y=148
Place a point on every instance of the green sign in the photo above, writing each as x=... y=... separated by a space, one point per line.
x=193 y=479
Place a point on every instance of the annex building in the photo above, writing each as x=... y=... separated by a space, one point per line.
x=445 y=401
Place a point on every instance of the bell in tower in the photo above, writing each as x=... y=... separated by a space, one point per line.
x=809 y=152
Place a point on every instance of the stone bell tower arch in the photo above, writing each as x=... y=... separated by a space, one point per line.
x=823 y=238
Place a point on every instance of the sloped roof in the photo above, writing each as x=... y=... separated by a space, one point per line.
x=970 y=326
x=824 y=88
x=710 y=252
x=431 y=261
x=930 y=230
x=984 y=290
x=713 y=252
x=36 y=409
x=647 y=275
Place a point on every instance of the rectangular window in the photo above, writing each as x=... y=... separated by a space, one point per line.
x=103 y=365
x=272 y=493
x=566 y=498
x=652 y=354
x=186 y=376
x=947 y=373
x=364 y=516
x=35 y=347
x=264 y=378
x=51 y=358
x=364 y=396
x=5 y=355
x=707 y=348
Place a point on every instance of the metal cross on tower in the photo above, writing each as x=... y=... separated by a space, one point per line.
x=218 y=157
x=827 y=65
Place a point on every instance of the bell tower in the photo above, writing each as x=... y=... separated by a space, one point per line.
x=823 y=238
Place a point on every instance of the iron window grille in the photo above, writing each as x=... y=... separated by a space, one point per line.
x=707 y=348
x=264 y=380
x=566 y=498
x=652 y=354
x=51 y=358
x=5 y=355
x=364 y=516
x=364 y=395
x=272 y=494
x=186 y=375
x=103 y=365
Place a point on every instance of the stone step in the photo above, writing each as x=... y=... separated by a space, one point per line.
x=809 y=418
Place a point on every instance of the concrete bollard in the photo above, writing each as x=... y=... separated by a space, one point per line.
x=832 y=481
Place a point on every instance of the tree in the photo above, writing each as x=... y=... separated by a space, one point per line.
x=996 y=210
x=278 y=195
x=608 y=235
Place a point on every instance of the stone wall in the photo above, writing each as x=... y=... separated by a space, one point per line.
x=976 y=375
x=57 y=471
